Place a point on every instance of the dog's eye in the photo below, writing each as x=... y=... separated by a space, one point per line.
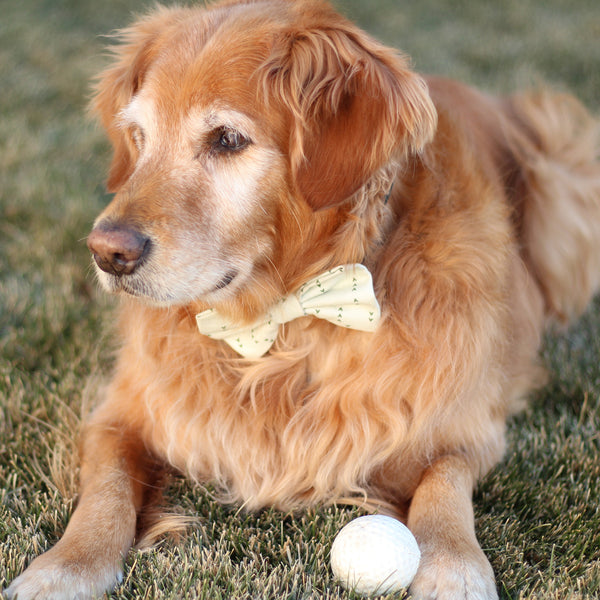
x=226 y=139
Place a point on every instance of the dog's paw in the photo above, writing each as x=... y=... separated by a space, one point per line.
x=47 y=579
x=442 y=576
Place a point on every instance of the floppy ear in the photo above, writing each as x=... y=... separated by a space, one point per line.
x=118 y=84
x=354 y=104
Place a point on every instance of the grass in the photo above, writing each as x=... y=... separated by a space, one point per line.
x=538 y=515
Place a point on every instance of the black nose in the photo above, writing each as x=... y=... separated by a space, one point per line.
x=117 y=249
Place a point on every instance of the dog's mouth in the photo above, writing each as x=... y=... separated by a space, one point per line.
x=135 y=289
x=229 y=277
x=160 y=288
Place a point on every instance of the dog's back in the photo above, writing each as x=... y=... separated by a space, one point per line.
x=545 y=147
x=558 y=152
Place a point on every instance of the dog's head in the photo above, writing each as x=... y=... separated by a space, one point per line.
x=230 y=121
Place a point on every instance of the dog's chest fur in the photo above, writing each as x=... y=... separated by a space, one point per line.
x=329 y=413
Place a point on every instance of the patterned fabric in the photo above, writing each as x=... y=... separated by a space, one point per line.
x=344 y=296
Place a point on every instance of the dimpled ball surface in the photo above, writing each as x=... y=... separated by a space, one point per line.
x=375 y=554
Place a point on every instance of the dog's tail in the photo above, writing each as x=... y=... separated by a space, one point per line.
x=557 y=146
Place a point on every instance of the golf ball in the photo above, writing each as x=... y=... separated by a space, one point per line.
x=375 y=554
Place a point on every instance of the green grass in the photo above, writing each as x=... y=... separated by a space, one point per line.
x=537 y=513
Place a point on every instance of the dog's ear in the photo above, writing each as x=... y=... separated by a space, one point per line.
x=353 y=104
x=117 y=85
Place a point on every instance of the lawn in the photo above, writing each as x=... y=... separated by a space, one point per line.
x=538 y=515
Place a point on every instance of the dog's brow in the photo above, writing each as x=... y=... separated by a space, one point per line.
x=138 y=111
x=210 y=118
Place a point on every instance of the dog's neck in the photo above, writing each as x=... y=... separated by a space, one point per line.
x=373 y=213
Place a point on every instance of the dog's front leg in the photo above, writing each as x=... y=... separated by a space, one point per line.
x=441 y=518
x=88 y=560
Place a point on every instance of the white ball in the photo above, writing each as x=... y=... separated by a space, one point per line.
x=375 y=555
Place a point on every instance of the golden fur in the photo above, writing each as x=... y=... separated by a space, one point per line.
x=492 y=228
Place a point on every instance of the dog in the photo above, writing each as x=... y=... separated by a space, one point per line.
x=267 y=152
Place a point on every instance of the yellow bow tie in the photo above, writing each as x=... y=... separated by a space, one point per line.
x=343 y=296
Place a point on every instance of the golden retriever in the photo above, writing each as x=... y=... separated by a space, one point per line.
x=257 y=146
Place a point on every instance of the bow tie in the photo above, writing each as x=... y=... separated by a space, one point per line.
x=343 y=296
